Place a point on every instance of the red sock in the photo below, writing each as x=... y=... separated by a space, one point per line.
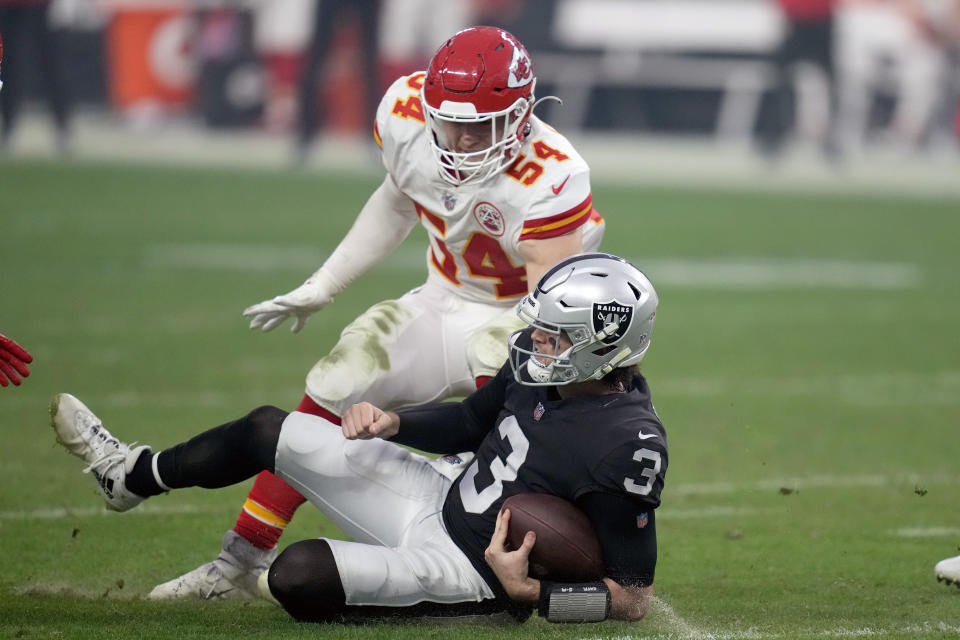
x=267 y=512
x=272 y=502
x=307 y=405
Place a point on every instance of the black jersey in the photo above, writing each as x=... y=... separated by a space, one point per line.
x=608 y=454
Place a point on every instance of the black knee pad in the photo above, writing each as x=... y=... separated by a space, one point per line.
x=227 y=454
x=263 y=425
x=305 y=581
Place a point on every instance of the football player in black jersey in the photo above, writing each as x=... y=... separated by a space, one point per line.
x=568 y=415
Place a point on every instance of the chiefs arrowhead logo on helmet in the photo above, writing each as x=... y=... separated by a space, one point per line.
x=521 y=69
x=482 y=75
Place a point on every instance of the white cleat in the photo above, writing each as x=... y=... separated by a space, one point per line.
x=948 y=571
x=109 y=461
x=233 y=574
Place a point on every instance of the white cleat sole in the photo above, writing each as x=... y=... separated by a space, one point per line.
x=65 y=410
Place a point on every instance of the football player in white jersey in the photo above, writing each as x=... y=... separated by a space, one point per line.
x=501 y=195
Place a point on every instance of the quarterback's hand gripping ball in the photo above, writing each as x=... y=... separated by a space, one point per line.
x=567 y=548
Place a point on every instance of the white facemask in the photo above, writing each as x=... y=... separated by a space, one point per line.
x=558 y=370
x=540 y=372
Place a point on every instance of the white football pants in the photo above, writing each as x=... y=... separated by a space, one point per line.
x=389 y=500
x=423 y=347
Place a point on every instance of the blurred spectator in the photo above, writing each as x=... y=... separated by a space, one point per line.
x=930 y=81
x=897 y=64
x=331 y=15
x=31 y=44
x=530 y=20
x=412 y=30
x=230 y=86
x=808 y=38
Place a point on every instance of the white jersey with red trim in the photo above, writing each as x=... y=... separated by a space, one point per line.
x=475 y=229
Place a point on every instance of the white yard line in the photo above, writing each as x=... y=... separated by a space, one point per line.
x=685 y=631
x=662 y=610
x=769 y=273
x=766 y=485
x=880 y=389
x=726 y=273
x=926 y=532
x=798 y=483
x=261 y=258
x=62 y=513
x=715 y=511
x=232 y=257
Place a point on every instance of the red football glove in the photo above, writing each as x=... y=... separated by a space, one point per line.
x=13 y=361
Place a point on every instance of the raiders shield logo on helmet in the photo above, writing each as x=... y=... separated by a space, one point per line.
x=605 y=313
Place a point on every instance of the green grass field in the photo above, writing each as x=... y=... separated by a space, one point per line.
x=805 y=362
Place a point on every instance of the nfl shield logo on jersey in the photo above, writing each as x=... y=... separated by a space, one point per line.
x=605 y=313
x=538 y=412
x=449 y=201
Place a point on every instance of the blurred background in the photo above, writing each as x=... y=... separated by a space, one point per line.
x=786 y=171
x=662 y=90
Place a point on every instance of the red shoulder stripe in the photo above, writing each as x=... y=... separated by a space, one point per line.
x=559 y=224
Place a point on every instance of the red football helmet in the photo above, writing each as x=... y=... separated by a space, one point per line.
x=480 y=75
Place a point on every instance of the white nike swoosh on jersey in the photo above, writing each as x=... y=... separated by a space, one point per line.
x=646 y=436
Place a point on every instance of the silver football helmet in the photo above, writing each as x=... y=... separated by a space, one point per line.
x=604 y=305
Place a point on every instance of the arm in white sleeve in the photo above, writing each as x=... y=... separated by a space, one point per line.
x=383 y=223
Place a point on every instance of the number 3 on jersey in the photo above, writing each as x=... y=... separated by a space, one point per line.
x=502 y=470
x=475 y=501
x=648 y=475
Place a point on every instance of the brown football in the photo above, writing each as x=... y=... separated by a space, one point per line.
x=567 y=549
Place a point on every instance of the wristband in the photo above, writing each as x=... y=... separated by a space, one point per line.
x=574 y=602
